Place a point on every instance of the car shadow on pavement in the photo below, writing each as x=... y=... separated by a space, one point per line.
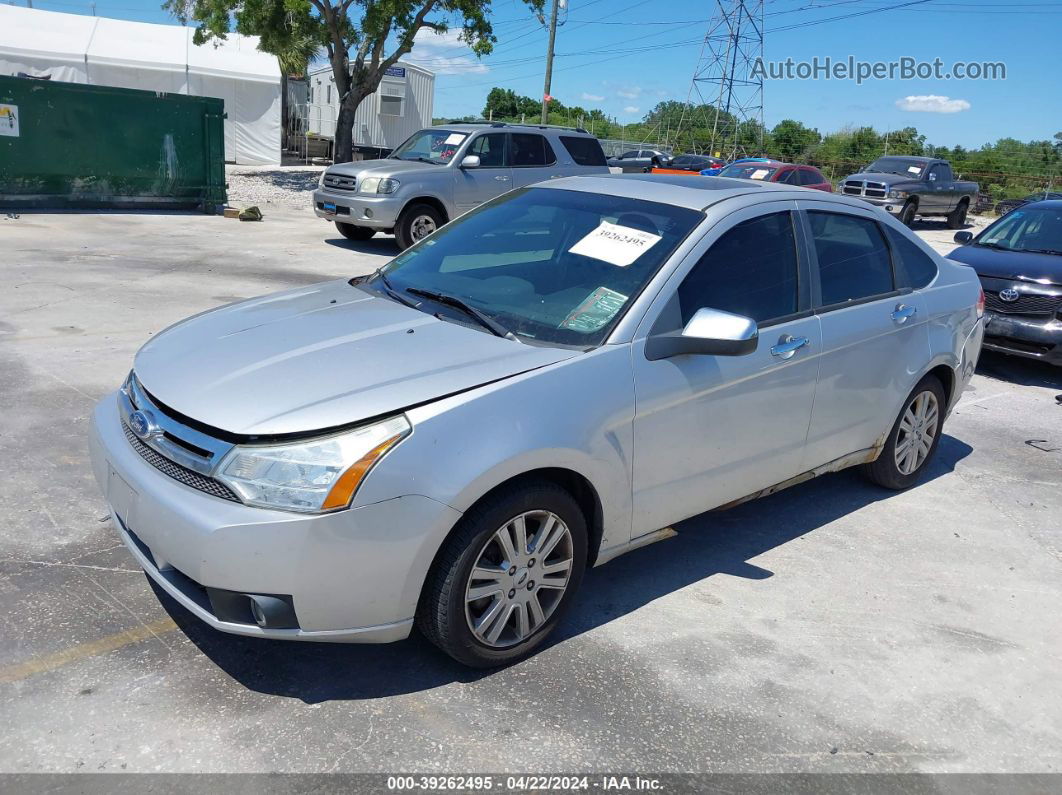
x=381 y=244
x=717 y=542
x=1018 y=370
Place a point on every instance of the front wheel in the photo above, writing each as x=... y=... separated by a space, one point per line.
x=907 y=214
x=415 y=223
x=351 y=232
x=913 y=439
x=505 y=577
x=957 y=217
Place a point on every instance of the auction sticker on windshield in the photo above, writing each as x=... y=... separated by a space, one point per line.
x=617 y=245
x=455 y=139
x=760 y=173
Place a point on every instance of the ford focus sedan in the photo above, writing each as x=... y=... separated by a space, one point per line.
x=547 y=382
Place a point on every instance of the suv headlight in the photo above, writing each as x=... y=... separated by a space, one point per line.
x=378 y=185
x=897 y=194
x=310 y=476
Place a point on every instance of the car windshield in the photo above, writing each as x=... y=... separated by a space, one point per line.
x=549 y=265
x=431 y=146
x=897 y=165
x=1036 y=229
x=757 y=171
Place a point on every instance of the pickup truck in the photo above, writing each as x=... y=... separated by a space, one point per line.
x=906 y=186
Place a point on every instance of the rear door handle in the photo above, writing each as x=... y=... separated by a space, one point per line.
x=788 y=345
x=903 y=313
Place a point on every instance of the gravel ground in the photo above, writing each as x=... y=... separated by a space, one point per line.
x=286 y=186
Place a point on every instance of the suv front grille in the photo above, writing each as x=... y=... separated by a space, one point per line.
x=338 y=182
x=176 y=471
x=875 y=190
x=1027 y=304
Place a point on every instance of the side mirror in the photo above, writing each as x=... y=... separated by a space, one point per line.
x=962 y=238
x=470 y=161
x=710 y=332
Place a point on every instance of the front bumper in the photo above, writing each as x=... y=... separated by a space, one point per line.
x=892 y=206
x=1031 y=339
x=352 y=576
x=368 y=210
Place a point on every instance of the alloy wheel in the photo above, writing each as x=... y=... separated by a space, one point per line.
x=519 y=578
x=422 y=226
x=917 y=431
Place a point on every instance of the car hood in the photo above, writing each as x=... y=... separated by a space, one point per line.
x=1019 y=266
x=320 y=357
x=878 y=176
x=387 y=167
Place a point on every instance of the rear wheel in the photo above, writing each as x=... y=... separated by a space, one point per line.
x=415 y=223
x=913 y=439
x=351 y=232
x=505 y=577
x=907 y=214
x=957 y=217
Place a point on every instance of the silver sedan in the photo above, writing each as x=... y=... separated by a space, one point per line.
x=549 y=381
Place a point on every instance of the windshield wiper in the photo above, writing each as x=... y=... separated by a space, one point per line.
x=995 y=246
x=391 y=291
x=1039 y=250
x=485 y=320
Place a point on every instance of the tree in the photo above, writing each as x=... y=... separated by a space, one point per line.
x=791 y=140
x=361 y=38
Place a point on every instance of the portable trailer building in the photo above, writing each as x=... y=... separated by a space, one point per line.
x=111 y=52
x=402 y=105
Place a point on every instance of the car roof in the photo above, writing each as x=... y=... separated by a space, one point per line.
x=1050 y=204
x=694 y=192
x=916 y=158
x=470 y=127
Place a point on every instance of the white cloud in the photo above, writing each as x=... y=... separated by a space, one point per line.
x=592 y=97
x=444 y=53
x=931 y=103
x=630 y=109
x=630 y=92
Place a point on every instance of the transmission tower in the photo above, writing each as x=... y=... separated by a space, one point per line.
x=726 y=80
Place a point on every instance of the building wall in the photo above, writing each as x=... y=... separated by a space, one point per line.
x=372 y=125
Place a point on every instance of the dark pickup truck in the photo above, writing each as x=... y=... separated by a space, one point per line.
x=906 y=186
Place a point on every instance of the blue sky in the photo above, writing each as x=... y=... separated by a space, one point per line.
x=593 y=67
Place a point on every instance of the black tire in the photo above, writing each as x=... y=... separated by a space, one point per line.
x=411 y=219
x=441 y=614
x=351 y=232
x=885 y=471
x=957 y=217
x=907 y=214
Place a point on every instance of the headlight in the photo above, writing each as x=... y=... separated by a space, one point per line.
x=897 y=194
x=311 y=476
x=378 y=185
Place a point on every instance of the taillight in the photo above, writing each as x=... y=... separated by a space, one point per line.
x=981 y=304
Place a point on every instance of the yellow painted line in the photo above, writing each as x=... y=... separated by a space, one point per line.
x=50 y=662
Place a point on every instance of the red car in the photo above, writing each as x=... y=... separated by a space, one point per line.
x=776 y=171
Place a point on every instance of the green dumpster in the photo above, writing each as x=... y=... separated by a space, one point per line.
x=73 y=145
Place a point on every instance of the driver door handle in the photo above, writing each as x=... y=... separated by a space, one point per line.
x=502 y=178
x=903 y=313
x=788 y=345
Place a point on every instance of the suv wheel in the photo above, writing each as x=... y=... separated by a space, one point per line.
x=907 y=214
x=351 y=232
x=417 y=221
x=914 y=438
x=505 y=577
x=957 y=217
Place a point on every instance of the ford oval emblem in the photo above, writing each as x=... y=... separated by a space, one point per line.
x=141 y=424
x=1010 y=295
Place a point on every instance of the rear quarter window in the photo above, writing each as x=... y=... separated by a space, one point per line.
x=584 y=151
x=915 y=265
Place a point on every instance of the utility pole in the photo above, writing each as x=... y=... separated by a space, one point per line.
x=549 y=61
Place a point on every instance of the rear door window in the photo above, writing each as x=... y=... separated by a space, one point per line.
x=854 y=261
x=530 y=149
x=585 y=151
x=918 y=267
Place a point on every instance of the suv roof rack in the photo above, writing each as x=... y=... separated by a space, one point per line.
x=523 y=124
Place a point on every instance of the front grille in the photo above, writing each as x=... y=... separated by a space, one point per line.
x=1027 y=304
x=853 y=188
x=178 y=472
x=873 y=190
x=1022 y=346
x=338 y=182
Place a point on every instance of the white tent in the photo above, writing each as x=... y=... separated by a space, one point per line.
x=113 y=52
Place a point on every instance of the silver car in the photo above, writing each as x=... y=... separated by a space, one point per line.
x=545 y=383
x=441 y=172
